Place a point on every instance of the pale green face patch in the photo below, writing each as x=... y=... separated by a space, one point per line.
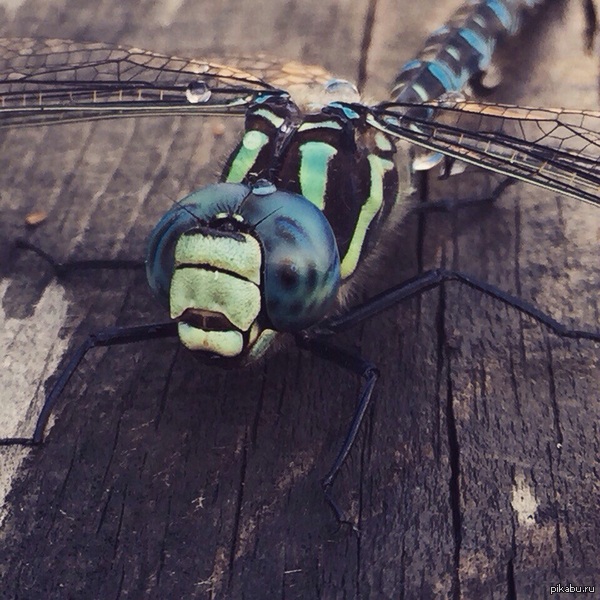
x=215 y=291
x=228 y=344
x=224 y=253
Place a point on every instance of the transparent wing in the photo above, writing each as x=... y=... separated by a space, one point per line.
x=51 y=80
x=281 y=74
x=557 y=149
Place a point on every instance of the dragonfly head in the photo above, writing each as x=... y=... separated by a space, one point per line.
x=238 y=264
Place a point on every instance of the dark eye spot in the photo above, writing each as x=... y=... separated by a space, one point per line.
x=288 y=276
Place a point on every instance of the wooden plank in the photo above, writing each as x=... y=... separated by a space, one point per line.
x=162 y=478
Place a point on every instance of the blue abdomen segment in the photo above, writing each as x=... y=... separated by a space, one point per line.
x=300 y=267
x=459 y=50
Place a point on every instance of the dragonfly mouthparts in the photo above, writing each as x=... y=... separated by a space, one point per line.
x=208 y=320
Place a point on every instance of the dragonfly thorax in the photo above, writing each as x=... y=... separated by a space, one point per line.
x=332 y=157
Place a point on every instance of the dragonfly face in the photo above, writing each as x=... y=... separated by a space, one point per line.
x=238 y=264
x=266 y=251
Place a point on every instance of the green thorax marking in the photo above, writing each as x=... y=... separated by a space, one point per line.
x=262 y=128
x=314 y=158
x=378 y=167
x=244 y=160
x=343 y=167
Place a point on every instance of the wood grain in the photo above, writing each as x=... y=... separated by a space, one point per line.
x=476 y=472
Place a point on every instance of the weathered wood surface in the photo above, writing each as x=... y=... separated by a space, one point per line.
x=476 y=474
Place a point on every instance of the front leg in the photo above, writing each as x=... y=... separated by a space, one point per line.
x=108 y=337
x=65 y=268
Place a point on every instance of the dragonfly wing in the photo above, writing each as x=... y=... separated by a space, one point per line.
x=52 y=80
x=557 y=149
x=281 y=74
x=310 y=86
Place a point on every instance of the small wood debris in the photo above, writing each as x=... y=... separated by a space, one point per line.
x=218 y=128
x=35 y=217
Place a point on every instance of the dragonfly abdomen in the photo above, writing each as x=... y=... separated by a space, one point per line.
x=459 y=50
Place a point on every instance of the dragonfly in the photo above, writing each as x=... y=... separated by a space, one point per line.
x=277 y=249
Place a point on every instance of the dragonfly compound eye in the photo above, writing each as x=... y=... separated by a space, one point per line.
x=301 y=271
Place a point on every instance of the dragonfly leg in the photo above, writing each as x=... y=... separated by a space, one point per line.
x=315 y=341
x=64 y=268
x=113 y=336
x=370 y=374
x=451 y=204
x=431 y=279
